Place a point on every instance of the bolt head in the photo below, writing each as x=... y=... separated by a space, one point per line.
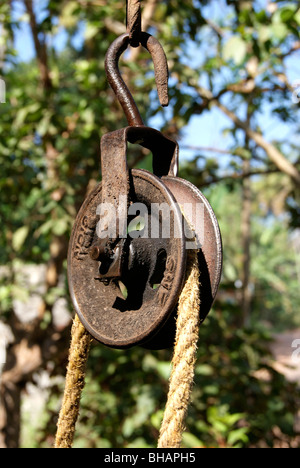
x=95 y=253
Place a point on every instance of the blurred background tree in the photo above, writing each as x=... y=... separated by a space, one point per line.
x=233 y=71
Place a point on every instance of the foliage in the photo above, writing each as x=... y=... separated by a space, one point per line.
x=125 y=393
x=226 y=58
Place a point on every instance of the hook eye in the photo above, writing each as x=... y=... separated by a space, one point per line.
x=117 y=83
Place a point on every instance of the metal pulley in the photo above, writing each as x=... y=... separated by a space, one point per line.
x=128 y=250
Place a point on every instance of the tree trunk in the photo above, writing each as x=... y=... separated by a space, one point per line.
x=10 y=415
x=29 y=352
x=246 y=227
x=246 y=243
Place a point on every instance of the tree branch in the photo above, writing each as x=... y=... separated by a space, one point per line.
x=295 y=47
x=283 y=164
x=219 y=31
x=237 y=177
x=40 y=47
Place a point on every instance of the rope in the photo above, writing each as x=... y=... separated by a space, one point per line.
x=78 y=355
x=184 y=359
x=134 y=22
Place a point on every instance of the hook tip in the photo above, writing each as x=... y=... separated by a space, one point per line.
x=163 y=94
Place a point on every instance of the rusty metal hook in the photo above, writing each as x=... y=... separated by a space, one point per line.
x=117 y=83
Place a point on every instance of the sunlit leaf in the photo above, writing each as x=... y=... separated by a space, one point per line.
x=19 y=238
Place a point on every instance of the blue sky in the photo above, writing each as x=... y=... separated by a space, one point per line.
x=23 y=39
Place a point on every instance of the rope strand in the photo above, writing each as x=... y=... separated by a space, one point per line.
x=75 y=380
x=184 y=359
x=134 y=21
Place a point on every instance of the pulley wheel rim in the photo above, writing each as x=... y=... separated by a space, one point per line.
x=95 y=302
x=211 y=250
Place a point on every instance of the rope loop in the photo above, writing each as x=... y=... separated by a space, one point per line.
x=182 y=376
x=134 y=22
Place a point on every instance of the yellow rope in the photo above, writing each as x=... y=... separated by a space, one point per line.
x=78 y=355
x=184 y=359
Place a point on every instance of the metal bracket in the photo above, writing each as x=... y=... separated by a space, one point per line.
x=116 y=188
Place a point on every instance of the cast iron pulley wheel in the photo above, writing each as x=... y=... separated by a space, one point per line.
x=130 y=311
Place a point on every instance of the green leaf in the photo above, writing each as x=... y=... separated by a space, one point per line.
x=287 y=13
x=238 y=435
x=204 y=369
x=156 y=419
x=20 y=293
x=297 y=16
x=264 y=33
x=19 y=238
x=137 y=224
x=164 y=369
x=191 y=441
x=60 y=227
x=235 y=49
x=4 y=292
x=45 y=228
x=230 y=272
x=139 y=443
x=123 y=290
x=68 y=19
x=91 y=31
x=280 y=31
